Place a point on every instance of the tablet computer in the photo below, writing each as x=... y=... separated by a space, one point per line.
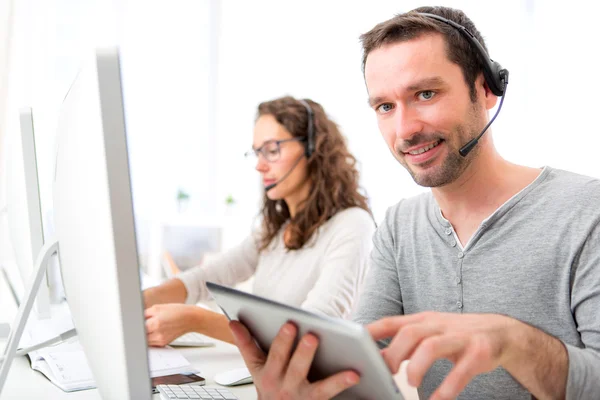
x=343 y=345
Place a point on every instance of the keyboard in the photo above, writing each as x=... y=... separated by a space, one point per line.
x=172 y=392
x=193 y=339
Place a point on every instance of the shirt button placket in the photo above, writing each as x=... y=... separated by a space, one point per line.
x=458 y=281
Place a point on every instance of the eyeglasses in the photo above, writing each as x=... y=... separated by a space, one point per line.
x=271 y=149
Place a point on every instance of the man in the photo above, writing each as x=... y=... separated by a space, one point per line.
x=490 y=283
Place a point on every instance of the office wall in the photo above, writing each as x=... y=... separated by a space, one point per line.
x=186 y=62
x=311 y=49
x=270 y=48
x=167 y=71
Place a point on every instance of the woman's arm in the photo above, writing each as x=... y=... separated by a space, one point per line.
x=166 y=322
x=234 y=266
x=213 y=324
x=171 y=291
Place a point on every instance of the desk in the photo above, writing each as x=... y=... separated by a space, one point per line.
x=25 y=383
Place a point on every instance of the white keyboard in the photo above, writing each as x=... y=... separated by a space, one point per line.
x=193 y=339
x=170 y=392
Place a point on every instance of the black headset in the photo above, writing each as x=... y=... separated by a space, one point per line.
x=310 y=134
x=495 y=76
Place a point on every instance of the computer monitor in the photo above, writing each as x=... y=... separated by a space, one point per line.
x=94 y=222
x=24 y=210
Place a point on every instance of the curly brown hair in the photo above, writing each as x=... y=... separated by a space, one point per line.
x=331 y=169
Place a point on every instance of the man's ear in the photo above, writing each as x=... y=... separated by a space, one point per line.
x=490 y=98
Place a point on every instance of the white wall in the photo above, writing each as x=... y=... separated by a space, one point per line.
x=166 y=69
x=269 y=48
x=166 y=64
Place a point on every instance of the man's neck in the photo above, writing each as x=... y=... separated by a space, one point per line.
x=483 y=187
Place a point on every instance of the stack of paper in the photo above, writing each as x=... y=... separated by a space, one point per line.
x=66 y=365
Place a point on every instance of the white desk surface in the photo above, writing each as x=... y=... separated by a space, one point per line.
x=26 y=383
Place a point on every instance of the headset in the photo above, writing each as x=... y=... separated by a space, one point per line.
x=310 y=130
x=310 y=145
x=495 y=76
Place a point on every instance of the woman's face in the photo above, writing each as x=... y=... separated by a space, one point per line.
x=279 y=158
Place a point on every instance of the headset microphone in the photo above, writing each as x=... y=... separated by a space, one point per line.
x=466 y=149
x=310 y=146
x=495 y=76
x=272 y=185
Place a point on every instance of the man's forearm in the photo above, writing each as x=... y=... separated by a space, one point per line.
x=537 y=361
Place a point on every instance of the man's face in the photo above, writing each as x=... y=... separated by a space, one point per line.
x=423 y=108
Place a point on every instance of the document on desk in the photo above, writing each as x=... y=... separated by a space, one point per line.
x=66 y=365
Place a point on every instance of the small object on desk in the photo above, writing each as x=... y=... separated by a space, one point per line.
x=192 y=339
x=168 y=392
x=177 y=379
x=239 y=376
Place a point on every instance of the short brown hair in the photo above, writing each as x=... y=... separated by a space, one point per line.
x=331 y=168
x=411 y=25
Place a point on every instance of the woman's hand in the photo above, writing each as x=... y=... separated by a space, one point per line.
x=166 y=322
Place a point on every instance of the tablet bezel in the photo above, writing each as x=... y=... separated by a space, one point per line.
x=264 y=318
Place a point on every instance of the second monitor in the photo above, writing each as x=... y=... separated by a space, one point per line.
x=95 y=229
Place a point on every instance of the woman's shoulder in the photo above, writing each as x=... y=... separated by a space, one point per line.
x=352 y=218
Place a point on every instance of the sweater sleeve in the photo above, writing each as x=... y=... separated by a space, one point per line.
x=229 y=268
x=583 y=381
x=382 y=296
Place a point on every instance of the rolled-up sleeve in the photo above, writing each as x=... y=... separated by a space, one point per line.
x=228 y=269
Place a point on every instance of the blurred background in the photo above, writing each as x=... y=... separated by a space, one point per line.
x=194 y=72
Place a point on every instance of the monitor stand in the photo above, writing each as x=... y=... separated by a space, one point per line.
x=14 y=338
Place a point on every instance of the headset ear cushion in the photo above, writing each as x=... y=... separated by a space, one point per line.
x=495 y=81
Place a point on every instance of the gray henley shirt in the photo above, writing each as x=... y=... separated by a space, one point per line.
x=536 y=259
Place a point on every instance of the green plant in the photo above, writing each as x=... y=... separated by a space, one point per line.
x=229 y=200
x=182 y=199
x=181 y=195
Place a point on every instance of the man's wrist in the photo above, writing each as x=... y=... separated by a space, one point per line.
x=537 y=360
x=516 y=334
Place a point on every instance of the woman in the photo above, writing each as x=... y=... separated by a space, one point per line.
x=313 y=246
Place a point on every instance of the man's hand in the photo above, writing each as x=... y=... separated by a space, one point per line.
x=474 y=343
x=166 y=322
x=282 y=374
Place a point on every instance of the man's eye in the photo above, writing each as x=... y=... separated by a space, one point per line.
x=384 y=108
x=426 y=95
